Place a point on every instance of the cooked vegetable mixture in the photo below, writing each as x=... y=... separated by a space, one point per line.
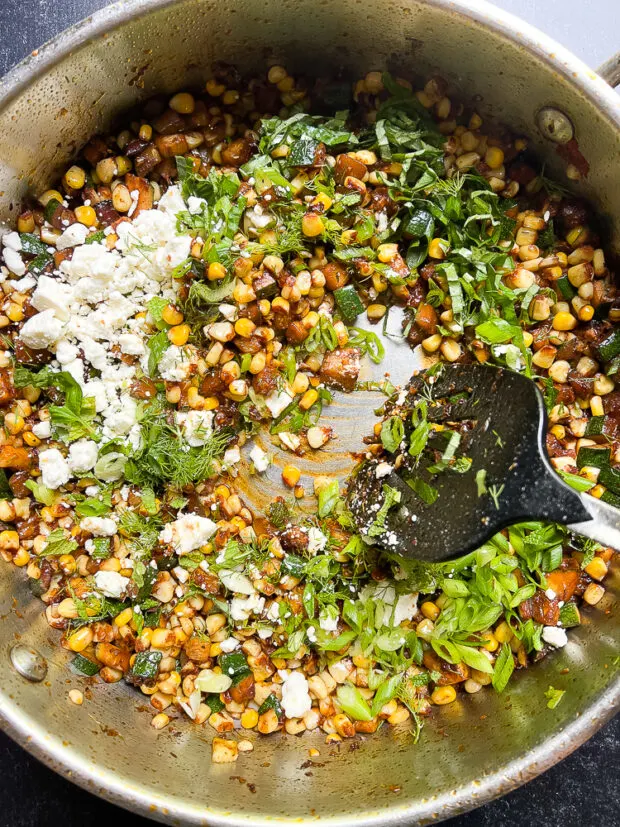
x=203 y=274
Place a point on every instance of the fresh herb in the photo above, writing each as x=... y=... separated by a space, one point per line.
x=392 y=498
x=40 y=492
x=503 y=669
x=368 y=342
x=554 y=696
x=329 y=496
x=392 y=433
x=58 y=544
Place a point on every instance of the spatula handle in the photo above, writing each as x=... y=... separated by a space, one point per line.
x=604 y=527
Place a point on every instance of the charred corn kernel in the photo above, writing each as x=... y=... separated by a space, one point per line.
x=173 y=394
x=430 y=610
x=310 y=320
x=450 y=350
x=598 y=262
x=146 y=132
x=312 y=225
x=376 y=312
x=160 y=721
x=76 y=697
x=123 y=164
x=74 y=178
x=171 y=315
x=15 y=312
x=443 y=695
x=467 y=160
x=49 y=195
x=230 y=97
x=121 y=198
x=322 y=200
x=494 y=157
x=471 y=686
x=603 y=385
x=379 y=282
x=527 y=338
x=81 y=639
x=31 y=439
x=22 y=558
x=258 y=362
x=249 y=719
x=276 y=74
x=503 y=632
x=244 y=328
x=491 y=642
x=435 y=248
x=387 y=252
x=14 y=423
x=179 y=334
x=25 y=222
x=238 y=389
x=216 y=271
x=9 y=540
x=586 y=313
x=183 y=103
x=210 y=403
x=564 y=321
x=558 y=431
x=597 y=568
x=432 y=343
x=280 y=305
x=596 y=406
x=67 y=563
x=243 y=293
x=214 y=88
x=86 y=216
x=106 y=169
x=194 y=399
x=300 y=383
x=291 y=475
x=308 y=399
x=123 y=618
x=593 y=594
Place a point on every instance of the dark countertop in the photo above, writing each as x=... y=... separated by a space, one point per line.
x=582 y=790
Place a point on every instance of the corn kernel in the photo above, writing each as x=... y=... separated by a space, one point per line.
x=443 y=695
x=249 y=719
x=86 y=216
x=244 y=328
x=74 y=178
x=291 y=475
x=494 y=157
x=172 y=315
x=564 y=321
x=183 y=103
x=597 y=569
x=216 y=271
x=312 y=225
x=123 y=618
x=308 y=399
x=435 y=248
x=81 y=639
x=179 y=334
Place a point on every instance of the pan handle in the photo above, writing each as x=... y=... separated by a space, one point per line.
x=610 y=70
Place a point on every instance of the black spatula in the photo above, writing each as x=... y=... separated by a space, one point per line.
x=460 y=490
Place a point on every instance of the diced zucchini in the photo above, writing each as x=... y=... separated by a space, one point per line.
x=84 y=666
x=595 y=426
x=146 y=664
x=50 y=209
x=610 y=346
x=349 y=303
x=235 y=665
x=31 y=245
x=271 y=702
x=569 y=615
x=566 y=289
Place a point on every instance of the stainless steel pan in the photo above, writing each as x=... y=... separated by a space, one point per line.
x=475 y=749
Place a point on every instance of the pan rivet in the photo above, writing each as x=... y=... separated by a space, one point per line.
x=555 y=125
x=29 y=663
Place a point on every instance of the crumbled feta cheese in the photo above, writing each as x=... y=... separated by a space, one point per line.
x=550 y=594
x=242 y=607
x=554 y=636
x=196 y=426
x=188 y=532
x=229 y=645
x=131 y=344
x=277 y=402
x=42 y=429
x=259 y=458
x=14 y=261
x=231 y=457
x=173 y=366
x=395 y=610
x=72 y=236
x=273 y=612
x=54 y=468
x=99 y=526
x=82 y=456
x=195 y=205
x=295 y=697
x=66 y=352
x=311 y=633
x=12 y=241
x=41 y=331
x=181 y=574
x=383 y=469
x=316 y=540
x=110 y=583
